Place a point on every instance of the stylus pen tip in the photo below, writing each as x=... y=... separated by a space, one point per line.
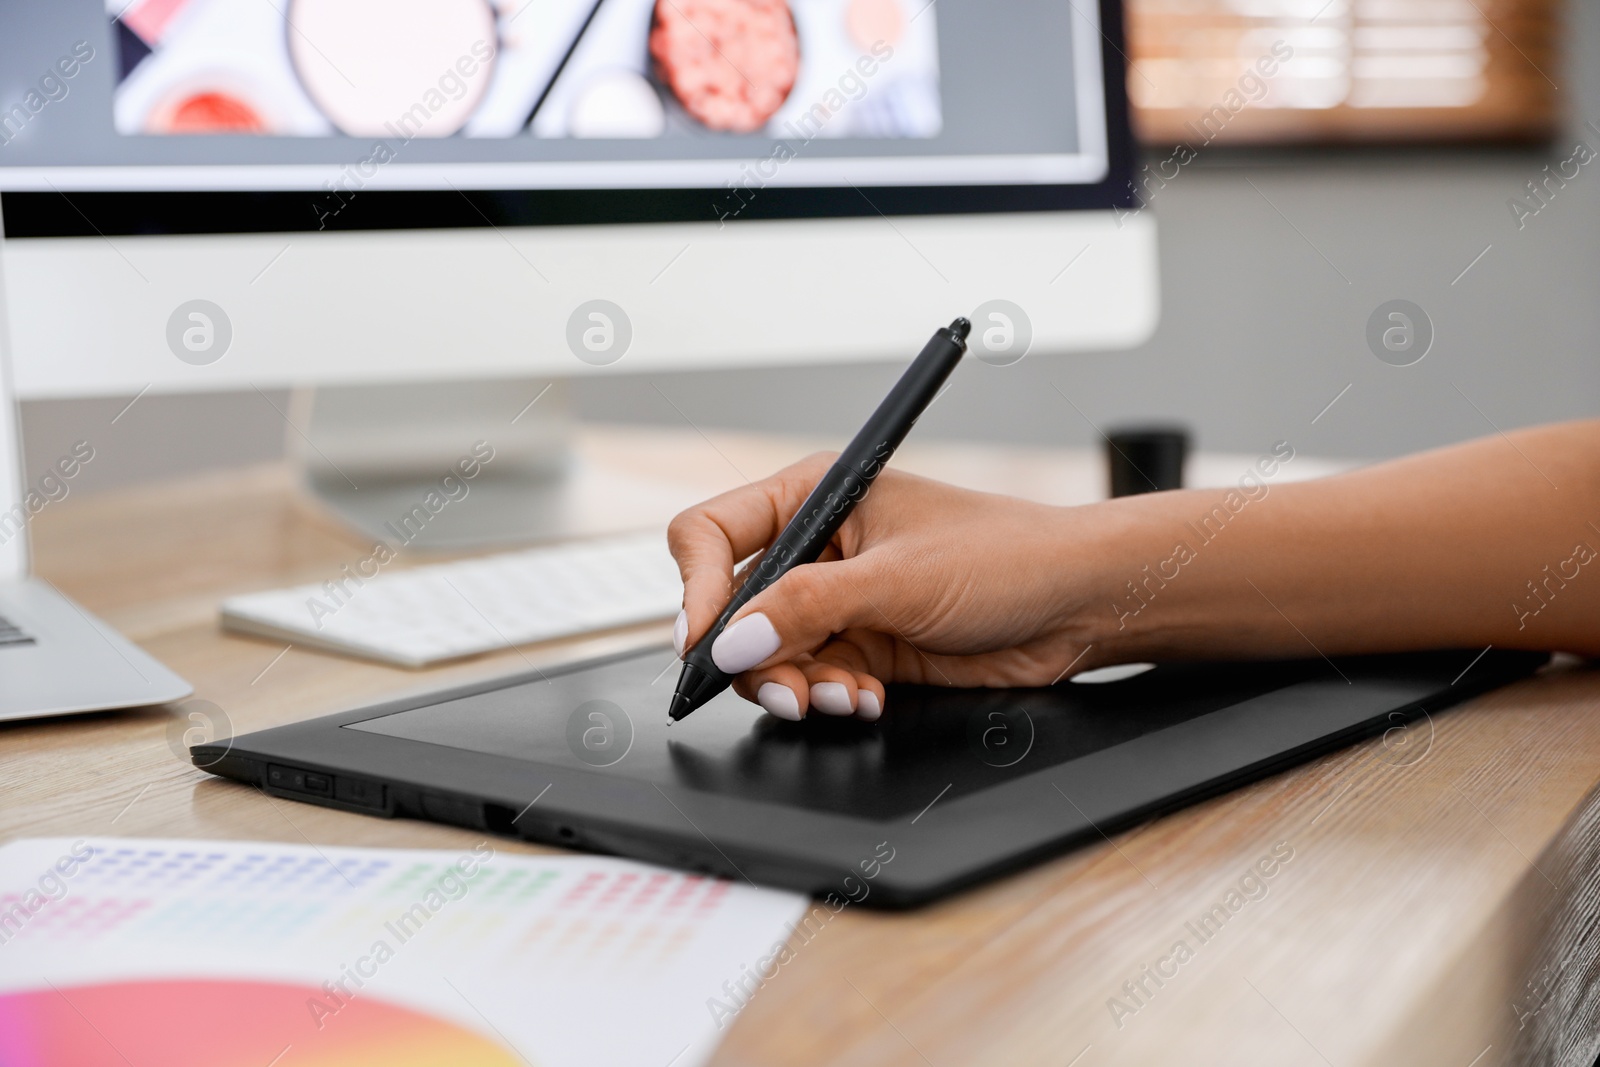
x=681 y=706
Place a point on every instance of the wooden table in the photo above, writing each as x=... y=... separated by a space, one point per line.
x=1437 y=906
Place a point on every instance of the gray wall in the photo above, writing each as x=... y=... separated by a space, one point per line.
x=1264 y=317
x=1271 y=263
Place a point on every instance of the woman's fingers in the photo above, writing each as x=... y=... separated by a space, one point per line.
x=846 y=672
x=886 y=655
x=709 y=539
x=799 y=612
x=847 y=654
x=782 y=691
x=812 y=686
x=833 y=689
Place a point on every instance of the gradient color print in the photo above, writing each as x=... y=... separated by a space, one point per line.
x=226 y=1023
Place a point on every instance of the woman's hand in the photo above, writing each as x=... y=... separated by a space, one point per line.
x=924 y=582
x=1462 y=547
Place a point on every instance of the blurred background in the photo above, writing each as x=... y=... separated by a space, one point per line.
x=1391 y=159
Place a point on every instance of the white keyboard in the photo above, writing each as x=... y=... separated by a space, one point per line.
x=423 y=615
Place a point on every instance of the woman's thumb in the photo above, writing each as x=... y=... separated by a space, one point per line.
x=797 y=614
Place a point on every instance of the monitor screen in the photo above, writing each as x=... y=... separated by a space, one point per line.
x=731 y=97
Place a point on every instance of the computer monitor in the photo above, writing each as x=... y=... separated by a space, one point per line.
x=377 y=190
x=223 y=194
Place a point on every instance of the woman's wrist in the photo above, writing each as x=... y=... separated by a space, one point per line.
x=1098 y=552
x=1132 y=567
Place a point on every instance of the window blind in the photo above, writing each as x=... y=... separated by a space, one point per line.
x=1265 y=71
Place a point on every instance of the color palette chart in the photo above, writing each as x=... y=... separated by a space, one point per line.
x=190 y=953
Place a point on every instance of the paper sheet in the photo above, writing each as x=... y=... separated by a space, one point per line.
x=220 y=953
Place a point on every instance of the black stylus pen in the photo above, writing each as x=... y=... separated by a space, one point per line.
x=831 y=502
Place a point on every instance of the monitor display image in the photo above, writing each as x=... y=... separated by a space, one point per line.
x=627 y=69
x=554 y=94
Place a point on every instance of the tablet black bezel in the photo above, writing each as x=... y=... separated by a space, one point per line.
x=954 y=844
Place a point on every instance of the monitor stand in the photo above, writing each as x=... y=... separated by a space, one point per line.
x=388 y=461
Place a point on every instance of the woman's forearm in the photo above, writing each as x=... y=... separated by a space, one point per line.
x=1496 y=541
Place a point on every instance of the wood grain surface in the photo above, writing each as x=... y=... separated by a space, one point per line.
x=1432 y=896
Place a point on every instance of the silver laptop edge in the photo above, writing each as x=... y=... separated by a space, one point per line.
x=61 y=659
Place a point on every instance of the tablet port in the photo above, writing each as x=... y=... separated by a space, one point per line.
x=500 y=820
x=291 y=780
x=360 y=793
x=455 y=811
x=529 y=826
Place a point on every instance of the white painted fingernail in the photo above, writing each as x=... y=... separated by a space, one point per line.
x=779 y=700
x=831 y=698
x=680 y=631
x=744 y=644
x=870 y=709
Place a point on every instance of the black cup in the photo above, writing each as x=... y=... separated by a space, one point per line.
x=1146 y=459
